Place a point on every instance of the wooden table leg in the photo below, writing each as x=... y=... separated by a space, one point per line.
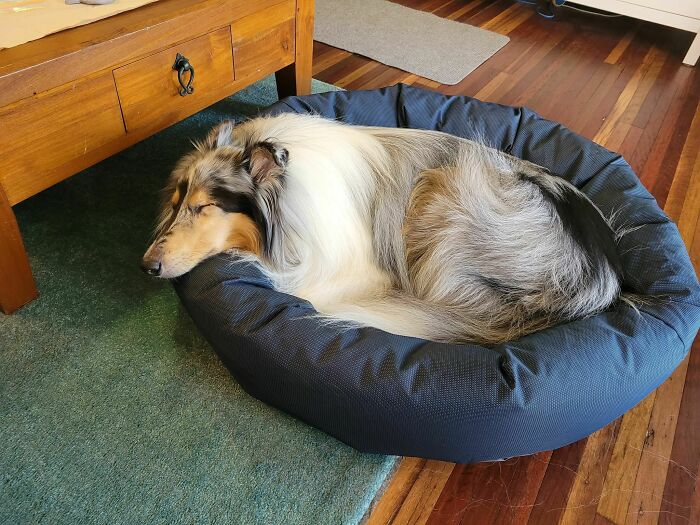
x=295 y=79
x=16 y=282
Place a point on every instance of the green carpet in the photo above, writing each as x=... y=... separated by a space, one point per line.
x=113 y=409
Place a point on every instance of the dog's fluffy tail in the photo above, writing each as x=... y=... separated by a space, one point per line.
x=395 y=313
x=403 y=314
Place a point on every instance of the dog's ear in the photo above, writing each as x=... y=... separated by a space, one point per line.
x=267 y=161
x=221 y=135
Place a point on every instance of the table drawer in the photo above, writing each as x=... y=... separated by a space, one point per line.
x=264 y=41
x=149 y=90
x=47 y=137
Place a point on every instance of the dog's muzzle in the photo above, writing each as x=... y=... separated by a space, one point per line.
x=151 y=266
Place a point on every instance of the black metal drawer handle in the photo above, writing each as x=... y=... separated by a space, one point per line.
x=182 y=65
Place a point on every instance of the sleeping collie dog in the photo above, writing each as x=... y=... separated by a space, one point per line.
x=414 y=232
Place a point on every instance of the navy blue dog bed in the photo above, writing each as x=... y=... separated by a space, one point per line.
x=397 y=395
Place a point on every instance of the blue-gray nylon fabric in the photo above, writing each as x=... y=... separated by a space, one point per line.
x=397 y=395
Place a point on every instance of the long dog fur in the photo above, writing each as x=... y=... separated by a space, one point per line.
x=415 y=232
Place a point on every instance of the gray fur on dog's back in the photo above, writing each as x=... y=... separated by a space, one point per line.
x=476 y=245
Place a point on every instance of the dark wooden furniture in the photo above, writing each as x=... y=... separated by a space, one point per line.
x=76 y=97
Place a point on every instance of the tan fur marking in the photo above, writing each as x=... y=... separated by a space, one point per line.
x=244 y=234
x=429 y=186
x=198 y=198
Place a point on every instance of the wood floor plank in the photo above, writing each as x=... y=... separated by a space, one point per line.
x=655 y=175
x=425 y=83
x=395 y=494
x=684 y=462
x=465 y=9
x=679 y=499
x=585 y=493
x=624 y=463
x=658 y=93
x=536 y=43
x=578 y=88
x=626 y=96
x=537 y=77
x=689 y=167
x=695 y=511
x=486 y=13
x=641 y=93
x=491 y=90
x=646 y=494
x=492 y=492
x=563 y=83
x=514 y=22
x=599 y=104
x=603 y=101
x=614 y=55
x=654 y=109
x=329 y=59
x=449 y=6
x=351 y=68
x=530 y=73
x=684 y=181
x=376 y=78
x=629 y=145
x=667 y=169
x=508 y=20
x=431 y=5
x=555 y=488
x=355 y=74
x=424 y=491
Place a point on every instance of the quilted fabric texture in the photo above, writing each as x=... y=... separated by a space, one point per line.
x=397 y=395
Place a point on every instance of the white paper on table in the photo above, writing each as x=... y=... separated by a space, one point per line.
x=26 y=20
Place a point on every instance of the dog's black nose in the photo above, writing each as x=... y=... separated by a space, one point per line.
x=151 y=266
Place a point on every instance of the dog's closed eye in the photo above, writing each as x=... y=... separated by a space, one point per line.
x=198 y=209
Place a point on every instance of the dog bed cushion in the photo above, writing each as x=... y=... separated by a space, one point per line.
x=390 y=394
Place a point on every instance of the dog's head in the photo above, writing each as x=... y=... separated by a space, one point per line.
x=216 y=200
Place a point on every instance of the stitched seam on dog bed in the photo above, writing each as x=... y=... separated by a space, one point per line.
x=683 y=345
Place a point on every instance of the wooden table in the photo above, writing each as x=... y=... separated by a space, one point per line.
x=72 y=99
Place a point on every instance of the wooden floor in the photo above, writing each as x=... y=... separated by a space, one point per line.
x=621 y=83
